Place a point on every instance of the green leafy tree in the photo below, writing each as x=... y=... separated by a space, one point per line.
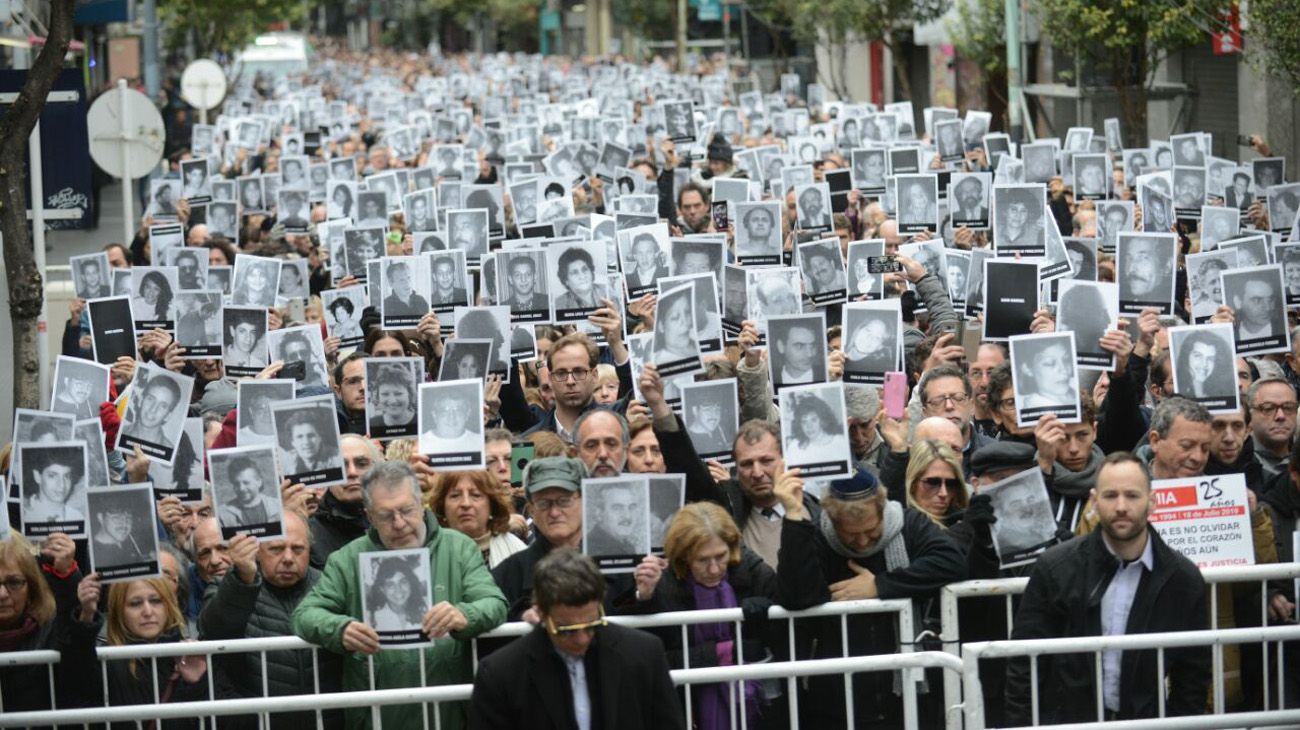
x=1126 y=40
x=224 y=26
x=1274 y=35
x=978 y=35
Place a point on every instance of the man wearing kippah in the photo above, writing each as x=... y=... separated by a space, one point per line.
x=863 y=545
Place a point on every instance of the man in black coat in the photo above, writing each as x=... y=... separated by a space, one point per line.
x=340 y=519
x=575 y=670
x=1080 y=588
x=864 y=545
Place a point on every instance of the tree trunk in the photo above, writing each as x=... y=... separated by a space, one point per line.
x=26 y=287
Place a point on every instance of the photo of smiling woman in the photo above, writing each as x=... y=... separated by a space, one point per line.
x=257 y=280
x=676 y=349
x=579 y=281
x=152 y=304
x=245 y=352
x=397 y=595
x=391 y=396
x=1204 y=357
x=1043 y=372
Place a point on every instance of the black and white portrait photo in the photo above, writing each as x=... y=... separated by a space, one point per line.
x=521 y=285
x=1238 y=193
x=397 y=593
x=956 y=263
x=253 y=421
x=52 y=487
x=112 y=329
x=1204 y=285
x=291 y=210
x=813 y=207
x=1082 y=253
x=1144 y=269
x=949 y=142
x=1267 y=172
x=302 y=344
x=1025 y=526
x=467 y=230
x=1189 y=191
x=155 y=412
x=196 y=178
x=710 y=415
x=968 y=199
x=579 y=280
x=734 y=304
x=1157 y=209
x=757 y=226
x=252 y=197
x=823 y=273
x=1252 y=250
x=797 y=349
x=869 y=169
x=862 y=281
x=1283 y=206
x=343 y=309
x=244 y=351
x=451 y=424
x=1113 y=218
x=184 y=477
x=1258 y=309
x=307 y=433
x=1011 y=295
x=294 y=282
x=1288 y=255
x=448 y=278
x=90 y=276
x=163 y=194
x=360 y=246
x=372 y=208
x=918 y=203
x=643 y=251
x=340 y=202
x=1039 y=159
x=487 y=323
x=1087 y=309
x=1045 y=378
x=679 y=121
x=79 y=387
x=697 y=255
x=198 y=324
x=123 y=537
x=1218 y=224
x=929 y=254
x=616 y=521
x=771 y=292
x=464 y=358
x=1091 y=176
x=153 y=290
x=1019 y=219
x=246 y=491
x=1204 y=366
x=256 y=281
x=676 y=346
x=405 y=294
x=873 y=342
x=392 y=396
x=418 y=208
x=814 y=430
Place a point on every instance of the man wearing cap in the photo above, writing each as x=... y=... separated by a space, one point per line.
x=553 y=488
x=719 y=162
x=1121 y=579
x=862 y=546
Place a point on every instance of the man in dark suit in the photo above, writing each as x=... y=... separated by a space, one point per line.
x=575 y=670
x=519 y=288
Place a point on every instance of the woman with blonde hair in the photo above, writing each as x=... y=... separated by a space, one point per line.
x=474 y=502
x=138 y=612
x=708 y=567
x=935 y=485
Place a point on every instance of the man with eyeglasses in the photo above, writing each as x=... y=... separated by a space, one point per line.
x=571 y=365
x=575 y=670
x=554 y=489
x=466 y=602
x=947 y=393
x=340 y=518
x=1272 y=404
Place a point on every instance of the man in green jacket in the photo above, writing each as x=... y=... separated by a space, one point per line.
x=466 y=601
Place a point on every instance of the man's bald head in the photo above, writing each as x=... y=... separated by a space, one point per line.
x=941 y=430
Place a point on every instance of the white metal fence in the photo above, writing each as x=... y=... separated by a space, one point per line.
x=1009 y=588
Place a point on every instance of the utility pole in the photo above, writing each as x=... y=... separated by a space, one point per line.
x=1012 y=8
x=681 y=36
x=151 y=81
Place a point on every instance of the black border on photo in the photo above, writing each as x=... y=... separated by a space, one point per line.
x=717 y=444
x=1012 y=288
x=612 y=562
x=145 y=375
x=139 y=502
x=913 y=224
x=1081 y=319
x=1225 y=400
x=26 y=456
x=1164 y=256
x=1279 y=338
x=263 y=460
x=416 y=560
x=454 y=458
x=830 y=458
x=856 y=317
x=319 y=412
x=1029 y=482
x=1022 y=346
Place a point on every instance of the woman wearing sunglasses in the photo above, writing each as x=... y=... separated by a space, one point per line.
x=934 y=482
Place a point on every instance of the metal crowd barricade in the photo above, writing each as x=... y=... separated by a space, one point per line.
x=1008 y=588
x=907 y=662
x=841 y=609
x=973 y=707
x=46 y=658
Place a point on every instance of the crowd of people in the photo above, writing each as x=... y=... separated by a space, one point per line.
x=567 y=484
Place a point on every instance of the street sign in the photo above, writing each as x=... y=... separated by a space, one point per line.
x=203 y=85
x=126 y=141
